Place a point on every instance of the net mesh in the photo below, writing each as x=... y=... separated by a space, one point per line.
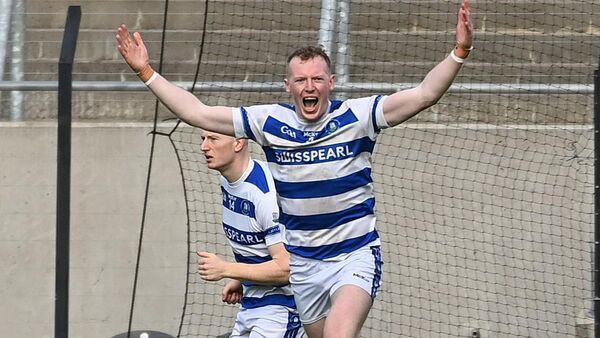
x=484 y=201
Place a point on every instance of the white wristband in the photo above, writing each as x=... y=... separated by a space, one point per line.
x=152 y=78
x=456 y=58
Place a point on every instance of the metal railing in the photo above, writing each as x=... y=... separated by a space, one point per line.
x=273 y=87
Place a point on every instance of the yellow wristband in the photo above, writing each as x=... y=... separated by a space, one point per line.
x=145 y=73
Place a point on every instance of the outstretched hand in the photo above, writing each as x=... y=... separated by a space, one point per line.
x=464 y=26
x=132 y=48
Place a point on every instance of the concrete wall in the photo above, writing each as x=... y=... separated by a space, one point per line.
x=109 y=170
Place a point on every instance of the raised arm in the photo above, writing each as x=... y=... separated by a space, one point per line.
x=404 y=104
x=179 y=101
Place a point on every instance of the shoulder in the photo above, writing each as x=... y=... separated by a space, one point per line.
x=260 y=176
x=367 y=103
x=368 y=110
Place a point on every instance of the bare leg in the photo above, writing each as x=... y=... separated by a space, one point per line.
x=350 y=306
x=315 y=330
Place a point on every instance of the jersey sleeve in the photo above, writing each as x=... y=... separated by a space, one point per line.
x=248 y=122
x=267 y=217
x=369 y=111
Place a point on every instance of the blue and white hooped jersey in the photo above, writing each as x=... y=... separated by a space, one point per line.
x=322 y=172
x=251 y=223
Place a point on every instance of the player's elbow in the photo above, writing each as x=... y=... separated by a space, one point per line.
x=428 y=99
x=429 y=94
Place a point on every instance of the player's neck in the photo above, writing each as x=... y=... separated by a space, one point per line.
x=237 y=169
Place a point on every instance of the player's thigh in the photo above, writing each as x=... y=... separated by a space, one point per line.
x=363 y=268
x=350 y=307
x=311 y=282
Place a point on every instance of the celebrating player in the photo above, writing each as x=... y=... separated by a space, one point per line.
x=319 y=151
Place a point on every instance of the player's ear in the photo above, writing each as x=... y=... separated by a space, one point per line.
x=240 y=144
x=332 y=79
x=287 y=84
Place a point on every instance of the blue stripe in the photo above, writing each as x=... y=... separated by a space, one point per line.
x=322 y=154
x=238 y=204
x=248 y=284
x=272 y=230
x=288 y=106
x=332 y=250
x=330 y=220
x=293 y=325
x=374 y=115
x=376 y=251
x=243 y=237
x=284 y=131
x=330 y=187
x=258 y=178
x=335 y=104
x=247 y=128
x=250 y=259
x=256 y=302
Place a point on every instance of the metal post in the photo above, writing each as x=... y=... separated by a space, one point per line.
x=63 y=172
x=17 y=56
x=327 y=25
x=5 y=13
x=342 y=63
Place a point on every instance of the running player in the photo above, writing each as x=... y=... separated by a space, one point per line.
x=260 y=274
x=319 y=151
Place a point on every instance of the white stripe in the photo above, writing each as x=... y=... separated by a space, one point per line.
x=249 y=250
x=238 y=221
x=325 y=205
x=259 y=291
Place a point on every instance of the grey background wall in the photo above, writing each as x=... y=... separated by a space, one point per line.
x=109 y=169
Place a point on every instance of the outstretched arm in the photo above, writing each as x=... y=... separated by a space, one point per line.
x=275 y=271
x=402 y=105
x=179 y=101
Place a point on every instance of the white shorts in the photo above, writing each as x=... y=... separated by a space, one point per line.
x=271 y=321
x=315 y=281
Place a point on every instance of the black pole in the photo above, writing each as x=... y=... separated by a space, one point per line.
x=63 y=172
x=596 y=276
